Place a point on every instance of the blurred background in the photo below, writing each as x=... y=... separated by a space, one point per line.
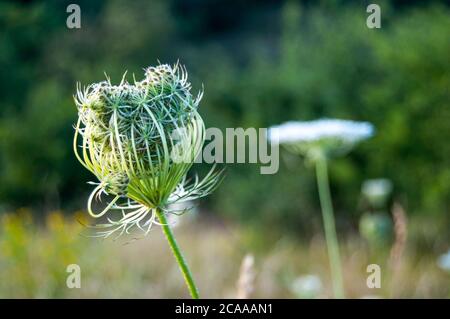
x=261 y=63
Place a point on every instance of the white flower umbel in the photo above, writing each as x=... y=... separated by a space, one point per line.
x=332 y=136
x=128 y=135
x=318 y=141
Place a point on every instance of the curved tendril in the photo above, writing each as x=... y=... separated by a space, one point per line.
x=98 y=189
x=75 y=146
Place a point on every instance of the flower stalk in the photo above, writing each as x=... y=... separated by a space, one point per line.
x=184 y=268
x=329 y=226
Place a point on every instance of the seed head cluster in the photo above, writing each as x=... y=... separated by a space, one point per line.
x=141 y=139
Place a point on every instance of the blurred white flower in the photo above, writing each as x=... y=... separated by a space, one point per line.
x=324 y=135
x=444 y=261
x=306 y=287
x=377 y=190
x=292 y=132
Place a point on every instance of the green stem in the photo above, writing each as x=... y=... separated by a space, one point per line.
x=330 y=228
x=178 y=255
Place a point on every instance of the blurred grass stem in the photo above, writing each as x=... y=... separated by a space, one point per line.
x=330 y=227
x=178 y=255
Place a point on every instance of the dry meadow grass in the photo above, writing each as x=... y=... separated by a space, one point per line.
x=33 y=261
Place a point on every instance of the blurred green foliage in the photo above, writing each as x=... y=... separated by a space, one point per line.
x=261 y=64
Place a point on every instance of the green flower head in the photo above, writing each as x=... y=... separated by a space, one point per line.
x=140 y=140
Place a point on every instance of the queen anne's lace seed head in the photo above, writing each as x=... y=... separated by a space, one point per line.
x=128 y=138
